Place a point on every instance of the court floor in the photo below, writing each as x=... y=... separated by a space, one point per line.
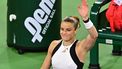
x=10 y=59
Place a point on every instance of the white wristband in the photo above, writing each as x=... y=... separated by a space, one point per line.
x=88 y=24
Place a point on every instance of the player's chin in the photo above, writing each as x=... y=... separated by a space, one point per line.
x=65 y=38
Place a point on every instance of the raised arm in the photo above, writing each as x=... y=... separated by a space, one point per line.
x=92 y=36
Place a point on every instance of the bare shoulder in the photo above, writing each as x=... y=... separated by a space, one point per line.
x=53 y=44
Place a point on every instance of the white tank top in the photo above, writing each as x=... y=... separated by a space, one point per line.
x=62 y=58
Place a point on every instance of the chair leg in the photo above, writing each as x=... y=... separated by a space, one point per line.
x=94 y=57
x=117 y=50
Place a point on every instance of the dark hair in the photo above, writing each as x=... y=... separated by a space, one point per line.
x=74 y=20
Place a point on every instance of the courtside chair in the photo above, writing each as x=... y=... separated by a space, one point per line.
x=105 y=36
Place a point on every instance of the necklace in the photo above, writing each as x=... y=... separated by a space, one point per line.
x=65 y=49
